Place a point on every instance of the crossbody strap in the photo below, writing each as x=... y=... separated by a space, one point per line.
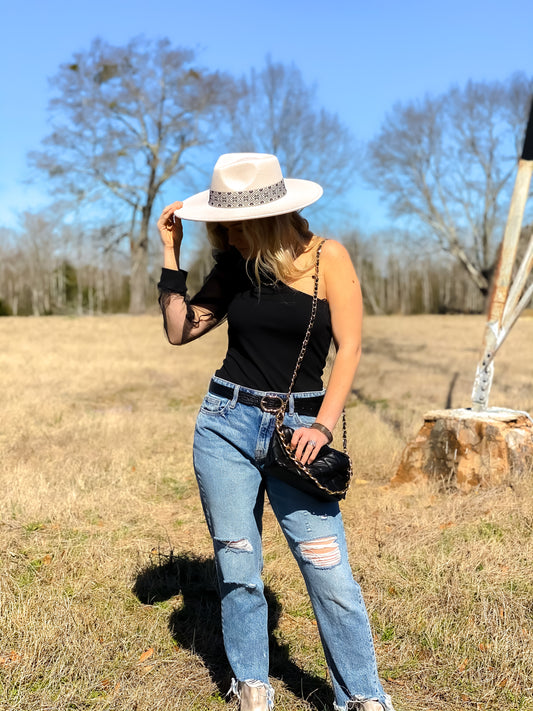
x=309 y=327
x=281 y=412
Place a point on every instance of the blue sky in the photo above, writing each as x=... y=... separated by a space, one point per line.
x=363 y=57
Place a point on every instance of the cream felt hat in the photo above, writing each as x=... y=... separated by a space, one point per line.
x=246 y=186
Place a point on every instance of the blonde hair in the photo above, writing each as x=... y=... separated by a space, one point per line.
x=274 y=242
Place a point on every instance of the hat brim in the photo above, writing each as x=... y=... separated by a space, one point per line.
x=300 y=193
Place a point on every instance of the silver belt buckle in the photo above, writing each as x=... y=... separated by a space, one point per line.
x=272 y=409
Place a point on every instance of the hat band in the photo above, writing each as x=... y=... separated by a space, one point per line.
x=248 y=198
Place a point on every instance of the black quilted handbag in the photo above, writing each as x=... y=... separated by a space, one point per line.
x=328 y=477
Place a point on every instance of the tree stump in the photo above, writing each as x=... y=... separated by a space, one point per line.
x=463 y=449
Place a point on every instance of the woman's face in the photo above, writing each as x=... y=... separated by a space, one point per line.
x=236 y=237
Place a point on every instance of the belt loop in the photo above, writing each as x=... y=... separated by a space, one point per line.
x=235 y=396
x=290 y=408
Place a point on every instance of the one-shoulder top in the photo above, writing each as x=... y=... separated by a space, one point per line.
x=267 y=323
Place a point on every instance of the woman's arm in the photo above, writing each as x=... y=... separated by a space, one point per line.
x=184 y=322
x=171 y=232
x=343 y=293
x=184 y=319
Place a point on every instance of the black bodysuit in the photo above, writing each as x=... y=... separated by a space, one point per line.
x=266 y=325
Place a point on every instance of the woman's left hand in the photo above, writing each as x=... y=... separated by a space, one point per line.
x=307 y=443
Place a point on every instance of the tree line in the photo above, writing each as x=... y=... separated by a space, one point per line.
x=53 y=277
x=127 y=121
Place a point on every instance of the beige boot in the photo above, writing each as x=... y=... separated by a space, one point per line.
x=365 y=706
x=254 y=695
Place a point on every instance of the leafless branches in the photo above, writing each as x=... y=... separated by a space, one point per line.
x=279 y=113
x=123 y=121
x=445 y=163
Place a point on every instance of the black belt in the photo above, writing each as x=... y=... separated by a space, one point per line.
x=268 y=403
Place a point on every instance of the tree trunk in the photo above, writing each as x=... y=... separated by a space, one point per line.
x=465 y=450
x=90 y=294
x=139 y=259
x=46 y=300
x=138 y=276
x=99 y=290
x=35 y=302
x=13 y=290
x=79 y=295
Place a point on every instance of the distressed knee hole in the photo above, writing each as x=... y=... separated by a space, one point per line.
x=322 y=552
x=242 y=545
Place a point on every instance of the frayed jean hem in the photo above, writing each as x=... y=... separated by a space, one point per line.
x=386 y=702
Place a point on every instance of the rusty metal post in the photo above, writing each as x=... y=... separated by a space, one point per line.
x=494 y=334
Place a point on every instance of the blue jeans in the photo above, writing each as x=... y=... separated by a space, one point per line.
x=230 y=445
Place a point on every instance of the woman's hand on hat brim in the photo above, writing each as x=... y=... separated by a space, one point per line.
x=169 y=226
x=302 y=441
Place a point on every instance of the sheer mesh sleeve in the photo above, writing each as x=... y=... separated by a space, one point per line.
x=186 y=319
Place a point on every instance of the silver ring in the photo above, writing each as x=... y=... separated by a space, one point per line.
x=312 y=442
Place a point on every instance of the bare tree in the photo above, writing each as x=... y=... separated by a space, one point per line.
x=49 y=267
x=125 y=118
x=278 y=113
x=396 y=277
x=446 y=163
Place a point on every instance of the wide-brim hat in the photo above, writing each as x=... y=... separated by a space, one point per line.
x=247 y=186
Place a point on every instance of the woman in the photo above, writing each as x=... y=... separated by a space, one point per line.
x=263 y=283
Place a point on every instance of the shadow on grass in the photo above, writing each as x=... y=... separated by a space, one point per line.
x=196 y=625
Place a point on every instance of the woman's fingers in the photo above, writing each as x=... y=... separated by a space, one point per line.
x=307 y=443
x=167 y=217
x=176 y=205
x=169 y=225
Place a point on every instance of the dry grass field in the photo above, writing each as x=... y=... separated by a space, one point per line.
x=107 y=599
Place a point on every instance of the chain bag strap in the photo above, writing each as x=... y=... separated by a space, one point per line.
x=305 y=468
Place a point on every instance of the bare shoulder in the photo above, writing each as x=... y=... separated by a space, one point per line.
x=336 y=256
x=334 y=251
x=340 y=279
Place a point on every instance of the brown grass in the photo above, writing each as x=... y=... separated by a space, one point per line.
x=106 y=583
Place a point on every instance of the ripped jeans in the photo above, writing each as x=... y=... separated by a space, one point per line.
x=230 y=445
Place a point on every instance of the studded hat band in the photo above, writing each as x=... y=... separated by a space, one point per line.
x=248 y=198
